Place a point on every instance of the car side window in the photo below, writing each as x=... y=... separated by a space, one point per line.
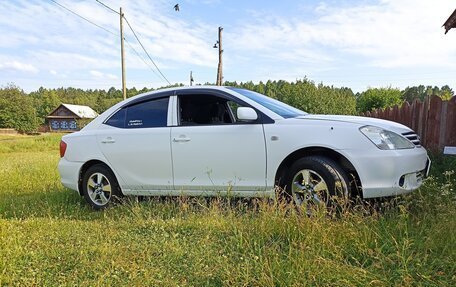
x=118 y=119
x=150 y=114
x=202 y=109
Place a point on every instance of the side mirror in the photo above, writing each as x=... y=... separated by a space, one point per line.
x=246 y=114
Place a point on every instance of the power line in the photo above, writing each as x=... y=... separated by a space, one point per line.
x=106 y=30
x=142 y=59
x=108 y=7
x=145 y=51
x=136 y=36
x=82 y=17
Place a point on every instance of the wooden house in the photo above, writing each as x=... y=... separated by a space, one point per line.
x=68 y=117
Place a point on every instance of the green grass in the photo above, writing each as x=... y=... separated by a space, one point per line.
x=50 y=237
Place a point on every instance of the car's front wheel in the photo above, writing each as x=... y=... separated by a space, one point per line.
x=99 y=186
x=317 y=181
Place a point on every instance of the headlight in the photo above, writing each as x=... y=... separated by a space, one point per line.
x=384 y=139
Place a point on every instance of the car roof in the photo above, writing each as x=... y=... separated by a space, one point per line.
x=166 y=92
x=171 y=89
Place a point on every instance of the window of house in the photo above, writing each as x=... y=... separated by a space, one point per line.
x=73 y=125
x=55 y=125
x=64 y=125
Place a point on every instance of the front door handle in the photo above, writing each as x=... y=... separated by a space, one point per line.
x=108 y=140
x=181 y=139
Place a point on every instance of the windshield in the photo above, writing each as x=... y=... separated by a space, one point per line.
x=275 y=106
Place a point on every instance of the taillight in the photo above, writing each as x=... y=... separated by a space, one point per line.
x=63 y=147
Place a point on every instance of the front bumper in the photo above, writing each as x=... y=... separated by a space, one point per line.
x=390 y=172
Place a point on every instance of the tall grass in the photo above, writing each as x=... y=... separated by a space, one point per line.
x=50 y=237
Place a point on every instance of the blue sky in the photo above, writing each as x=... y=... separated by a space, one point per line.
x=357 y=44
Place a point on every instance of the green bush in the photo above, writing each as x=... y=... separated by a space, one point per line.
x=378 y=98
x=306 y=96
x=16 y=110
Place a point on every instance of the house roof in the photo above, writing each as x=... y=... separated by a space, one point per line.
x=83 y=112
x=450 y=22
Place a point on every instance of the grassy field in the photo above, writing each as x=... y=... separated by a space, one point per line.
x=50 y=237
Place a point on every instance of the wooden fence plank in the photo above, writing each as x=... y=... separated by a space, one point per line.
x=415 y=115
x=443 y=124
x=390 y=114
x=422 y=116
x=406 y=117
x=423 y=121
x=450 y=137
x=432 y=123
x=396 y=115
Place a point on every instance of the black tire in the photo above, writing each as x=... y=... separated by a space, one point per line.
x=317 y=180
x=100 y=187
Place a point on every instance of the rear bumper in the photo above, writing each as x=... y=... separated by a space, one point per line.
x=389 y=173
x=69 y=173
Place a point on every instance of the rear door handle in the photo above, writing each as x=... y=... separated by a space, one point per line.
x=108 y=140
x=181 y=139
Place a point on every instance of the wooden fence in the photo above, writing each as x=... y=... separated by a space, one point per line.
x=433 y=120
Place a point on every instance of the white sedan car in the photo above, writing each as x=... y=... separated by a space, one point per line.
x=223 y=140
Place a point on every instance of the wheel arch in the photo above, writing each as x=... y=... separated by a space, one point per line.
x=86 y=166
x=335 y=156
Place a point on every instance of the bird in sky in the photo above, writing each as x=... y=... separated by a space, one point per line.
x=176 y=7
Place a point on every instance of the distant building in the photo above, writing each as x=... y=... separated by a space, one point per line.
x=68 y=117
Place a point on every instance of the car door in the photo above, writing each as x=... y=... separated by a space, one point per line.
x=136 y=143
x=212 y=150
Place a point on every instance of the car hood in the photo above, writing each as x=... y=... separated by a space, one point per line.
x=384 y=124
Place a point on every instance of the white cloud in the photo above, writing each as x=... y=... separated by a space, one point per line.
x=389 y=34
x=96 y=74
x=100 y=75
x=18 y=66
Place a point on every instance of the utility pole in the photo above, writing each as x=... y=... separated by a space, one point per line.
x=124 y=89
x=191 y=78
x=220 y=64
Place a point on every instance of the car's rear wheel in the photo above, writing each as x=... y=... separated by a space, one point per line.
x=99 y=186
x=317 y=181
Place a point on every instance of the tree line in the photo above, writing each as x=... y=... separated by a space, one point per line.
x=25 y=112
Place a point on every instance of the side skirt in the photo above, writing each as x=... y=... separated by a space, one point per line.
x=205 y=193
